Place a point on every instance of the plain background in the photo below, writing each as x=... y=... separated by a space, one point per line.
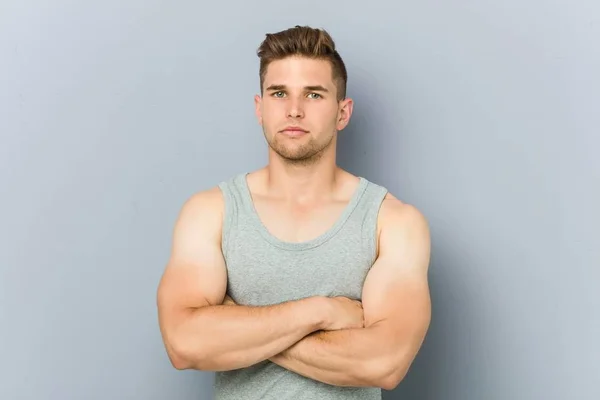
x=483 y=114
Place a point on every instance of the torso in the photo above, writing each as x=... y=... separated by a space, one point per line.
x=277 y=251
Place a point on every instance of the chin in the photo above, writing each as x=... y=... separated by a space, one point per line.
x=293 y=155
x=299 y=157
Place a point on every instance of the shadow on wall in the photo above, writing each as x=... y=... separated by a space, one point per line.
x=371 y=147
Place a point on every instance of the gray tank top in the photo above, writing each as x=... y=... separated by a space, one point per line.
x=263 y=270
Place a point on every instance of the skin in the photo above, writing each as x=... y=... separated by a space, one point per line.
x=298 y=194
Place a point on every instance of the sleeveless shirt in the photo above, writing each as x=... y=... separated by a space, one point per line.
x=263 y=270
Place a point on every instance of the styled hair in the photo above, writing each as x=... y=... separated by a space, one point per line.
x=307 y=42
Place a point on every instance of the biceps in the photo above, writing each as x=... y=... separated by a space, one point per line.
x=192 y=285
x=399 y=297
x=375 y=296
x=189 y=284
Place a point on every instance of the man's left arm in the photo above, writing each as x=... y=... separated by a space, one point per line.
x=397 y=312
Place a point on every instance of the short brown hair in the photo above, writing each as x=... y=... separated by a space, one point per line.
x=306 y=42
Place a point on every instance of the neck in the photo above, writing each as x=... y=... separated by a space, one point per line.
x=302 y=182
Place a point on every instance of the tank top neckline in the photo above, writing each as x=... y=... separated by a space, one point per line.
x=307 y=244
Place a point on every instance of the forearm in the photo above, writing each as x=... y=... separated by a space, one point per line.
x=219 y=338
x=351 y=357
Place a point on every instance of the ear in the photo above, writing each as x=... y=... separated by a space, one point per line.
x=258 y=108
x=344 y=113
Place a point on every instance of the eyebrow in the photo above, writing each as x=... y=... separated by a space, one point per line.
x=313 y=88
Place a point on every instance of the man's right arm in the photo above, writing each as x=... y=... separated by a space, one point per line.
x=198 y=331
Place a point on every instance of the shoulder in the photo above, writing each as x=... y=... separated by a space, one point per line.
x=207 y=206
x=395 y=212
x=207 y=201
x=202 y=212
x=402 y=224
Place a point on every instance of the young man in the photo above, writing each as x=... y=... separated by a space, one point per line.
x=299 y=280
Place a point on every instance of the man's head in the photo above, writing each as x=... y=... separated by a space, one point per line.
x=303 y=86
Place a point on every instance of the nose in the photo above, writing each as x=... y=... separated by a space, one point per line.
x=295 y=109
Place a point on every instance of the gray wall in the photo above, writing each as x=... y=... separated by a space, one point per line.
x=483 y=114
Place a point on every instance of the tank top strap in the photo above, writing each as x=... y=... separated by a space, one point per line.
x=235 y=205
x=366 y=215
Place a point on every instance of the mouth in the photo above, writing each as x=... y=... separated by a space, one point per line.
x=294 y=131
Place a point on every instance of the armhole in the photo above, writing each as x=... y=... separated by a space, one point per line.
x=227 y=220
x=372 y=222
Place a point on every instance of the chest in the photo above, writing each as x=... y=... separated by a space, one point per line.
x=298 y=223
x=260 y=273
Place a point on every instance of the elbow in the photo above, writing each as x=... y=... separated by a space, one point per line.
x=385 y=373
x=183 y=357
x=391 y=380
x=178 y=357
x=179 y=361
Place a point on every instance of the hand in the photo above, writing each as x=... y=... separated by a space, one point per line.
x=228 y=301
x=344 y=313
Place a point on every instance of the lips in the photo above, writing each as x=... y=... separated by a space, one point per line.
x=294 y=129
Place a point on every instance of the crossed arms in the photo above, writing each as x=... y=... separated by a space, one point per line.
x=203 y=329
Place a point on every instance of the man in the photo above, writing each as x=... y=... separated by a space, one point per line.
x=299 y=280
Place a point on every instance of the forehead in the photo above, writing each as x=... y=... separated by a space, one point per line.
x=299 y=71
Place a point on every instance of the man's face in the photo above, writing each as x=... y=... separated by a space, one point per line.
x=299 y=110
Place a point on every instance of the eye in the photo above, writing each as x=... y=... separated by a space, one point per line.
x=278 y=94
x=316 y=95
